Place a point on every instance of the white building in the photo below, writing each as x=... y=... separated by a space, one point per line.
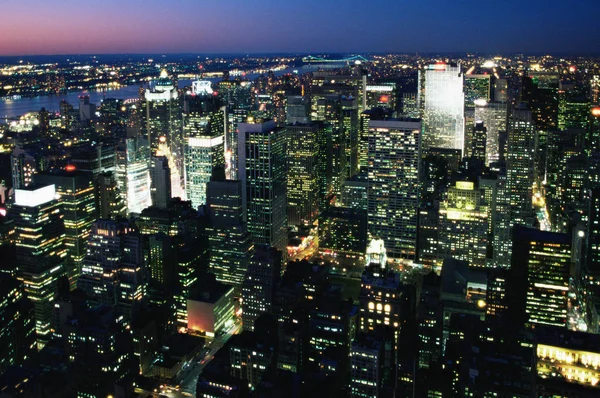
x=442 y=102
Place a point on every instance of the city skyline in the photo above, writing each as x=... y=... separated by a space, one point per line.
x=274 y=27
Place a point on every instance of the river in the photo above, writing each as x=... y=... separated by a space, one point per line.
x=18 y=107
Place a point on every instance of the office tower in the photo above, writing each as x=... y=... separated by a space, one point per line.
x=573 y=110
x=211 y=312
x=100 y=347
x=112 y=203
x=327 y=108
x=520 y=164
x=478 y=143
x=100 y=160
x=381 y=303
x=502 y=240
x=39 y=237
x=113 y=271
x=297 y=109
x=302 y=176
x=566 y=362
x=350 y=126
x=394 y=156
x=178 y=219
x=430 y=317
x=494 y=116
x=410 y=105
x=442 y=102
x=87 y=110
x=365 y=118
x=75 y=191
x=354 y=84
x=261 y=169
x=17 y=324
x=495 y=294
x=164 y=127
x=354 y=191
x=202 y=154
x=133 y=175
x=476 y=88
x=331 y=328
x=464 y=225
x=366 y=362
x=501 y=90
x=230 y=243
x=160 y=191
x=538 y=284
x=24 y=164
x=260 y=282
x=250 y=357
x=382 y=95
x=162 y=261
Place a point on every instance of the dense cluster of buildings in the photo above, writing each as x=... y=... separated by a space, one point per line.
x=361 y=231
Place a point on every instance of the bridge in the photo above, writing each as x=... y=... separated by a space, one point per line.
x=313 y=59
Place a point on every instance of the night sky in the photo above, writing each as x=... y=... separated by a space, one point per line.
x=250 y=26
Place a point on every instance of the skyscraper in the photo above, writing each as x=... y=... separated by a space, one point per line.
x=302 y=176
x=113 y=271
x=75 y=191
x=394 y=156
x=229 y=241
x=463 y=225
x=261 y=169
x=202 y=154
x=260 y=282
x=538 y=284
x=164 y=126
x=17 y=324
x=494 y=116
x=520 y=165
x=39 y=236
x=442 y=102
x=133 y=174
x=161 y=181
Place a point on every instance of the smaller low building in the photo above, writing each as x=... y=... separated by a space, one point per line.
x=212 y=312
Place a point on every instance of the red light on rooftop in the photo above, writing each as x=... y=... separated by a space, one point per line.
x=572 y=69
x=70 y=167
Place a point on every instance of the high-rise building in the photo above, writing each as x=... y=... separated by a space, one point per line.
x=442 y=103
x=302 y=176
x=476 y=88
x=260 y=282
x=202 y=155
x=133 y=174
x=160 y=191
x=538 y=284
x=41 y=252
x=75 y=191
x=297 y=109
x=261 y=169
x=382 y=95
x=230 y=243
x=463 y=225
x=520 y=165
x=114 y=271
x=112 y=203
x=17 y=324
x=494 y=116
x=366 y=363
x=479 y=142
x=164 y=127
x=394 y=157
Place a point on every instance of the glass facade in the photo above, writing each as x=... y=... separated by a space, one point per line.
x=394 y=157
